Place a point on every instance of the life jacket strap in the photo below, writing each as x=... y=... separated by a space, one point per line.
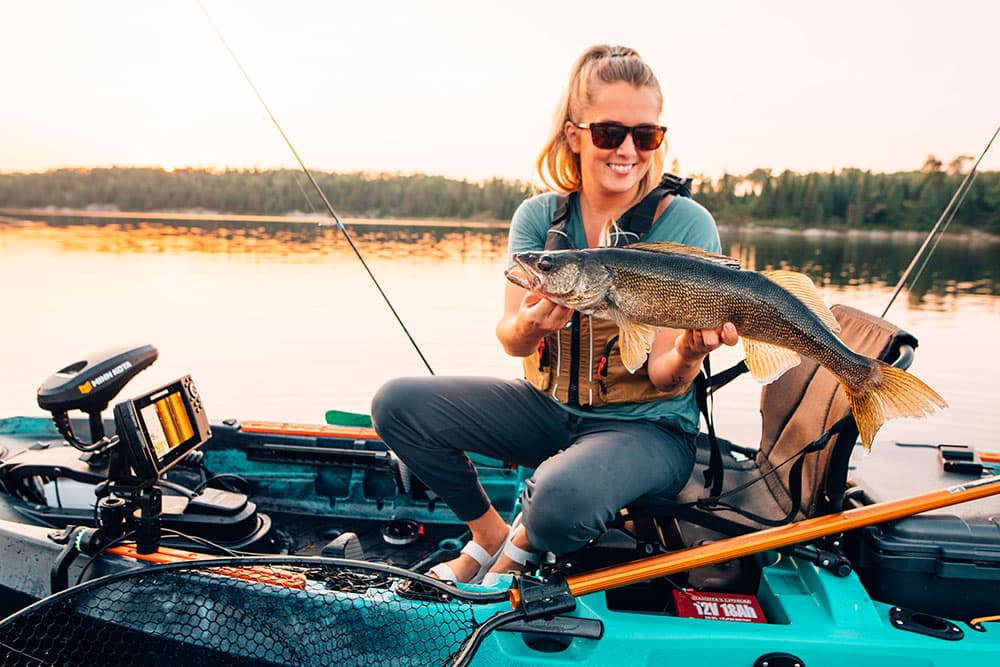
x=635 y=222
x=638 y=219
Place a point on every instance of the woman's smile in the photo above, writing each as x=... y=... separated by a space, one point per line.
x=620 y=168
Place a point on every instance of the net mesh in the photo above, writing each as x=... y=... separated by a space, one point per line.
x=232 y=613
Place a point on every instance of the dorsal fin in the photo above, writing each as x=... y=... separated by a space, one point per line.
x=802 y=288
x=668 y=248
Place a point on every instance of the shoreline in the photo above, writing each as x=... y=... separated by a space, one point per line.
x=899 y=234
x=28 y=216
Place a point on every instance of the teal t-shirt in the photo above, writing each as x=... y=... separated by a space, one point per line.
x=684 y=221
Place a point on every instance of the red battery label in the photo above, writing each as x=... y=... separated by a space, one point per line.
x=719 y=606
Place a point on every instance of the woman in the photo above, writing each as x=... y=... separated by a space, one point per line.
x=598 y=436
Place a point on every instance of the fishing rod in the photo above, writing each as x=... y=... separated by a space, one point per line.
x=319 y=190
x=935 y=234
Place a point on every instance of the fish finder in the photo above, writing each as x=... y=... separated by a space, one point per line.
x=159 y=428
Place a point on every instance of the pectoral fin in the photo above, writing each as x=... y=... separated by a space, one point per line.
x=768 y=362
x=634 y=340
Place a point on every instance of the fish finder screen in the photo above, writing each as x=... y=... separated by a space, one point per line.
x=160 y=428
x=167 y=423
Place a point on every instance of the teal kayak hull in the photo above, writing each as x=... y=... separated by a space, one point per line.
x=817 y=617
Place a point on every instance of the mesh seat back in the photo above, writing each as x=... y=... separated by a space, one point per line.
x=804 y=403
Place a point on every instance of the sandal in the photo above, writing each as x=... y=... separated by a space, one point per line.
x=521 y=557
x=477 y=553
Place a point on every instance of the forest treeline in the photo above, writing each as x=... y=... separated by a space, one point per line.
x=271 y=192
x=848 y=198
x=857 y=199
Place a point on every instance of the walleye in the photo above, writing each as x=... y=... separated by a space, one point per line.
x=778 y=314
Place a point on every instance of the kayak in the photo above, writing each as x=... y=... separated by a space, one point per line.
x=252 y=542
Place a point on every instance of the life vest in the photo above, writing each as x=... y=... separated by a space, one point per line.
x=581 y=365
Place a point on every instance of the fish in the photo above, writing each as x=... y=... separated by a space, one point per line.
x=779 y=315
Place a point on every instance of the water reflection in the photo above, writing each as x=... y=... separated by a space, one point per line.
x=272 y=240
x=959 y=265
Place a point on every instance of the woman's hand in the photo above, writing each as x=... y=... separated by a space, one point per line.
x=527 y=318
x=539 y=317
x=676 y=356
x=693 y=344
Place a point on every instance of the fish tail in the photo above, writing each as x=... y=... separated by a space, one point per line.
x=889 y=393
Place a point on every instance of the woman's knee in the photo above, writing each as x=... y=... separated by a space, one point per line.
x=392 y=400
x=559 y=515
x=394 y=410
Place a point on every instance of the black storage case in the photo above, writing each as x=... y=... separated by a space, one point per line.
x=945 y=562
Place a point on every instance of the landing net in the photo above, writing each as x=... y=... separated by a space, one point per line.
x=259 y=611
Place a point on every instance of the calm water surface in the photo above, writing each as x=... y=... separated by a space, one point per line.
x=281 y=322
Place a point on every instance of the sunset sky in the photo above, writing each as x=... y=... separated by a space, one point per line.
x=467 y=89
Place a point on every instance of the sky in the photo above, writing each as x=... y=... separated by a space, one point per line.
x=467 y=89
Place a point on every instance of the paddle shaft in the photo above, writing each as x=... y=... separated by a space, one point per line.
x=773 y=538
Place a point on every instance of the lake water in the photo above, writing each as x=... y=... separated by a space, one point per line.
x=281 y=322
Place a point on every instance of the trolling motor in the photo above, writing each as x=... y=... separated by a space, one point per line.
x=153 y=432
x=119 y=486
x=89 y=385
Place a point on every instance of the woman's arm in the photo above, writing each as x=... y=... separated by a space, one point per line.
x=676 y=355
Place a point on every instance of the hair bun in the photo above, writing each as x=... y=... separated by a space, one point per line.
x=621 y=52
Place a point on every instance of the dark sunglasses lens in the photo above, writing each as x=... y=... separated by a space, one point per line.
x=607 y=135
x=648 y=138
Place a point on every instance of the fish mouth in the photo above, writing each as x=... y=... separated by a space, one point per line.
x=521 y=275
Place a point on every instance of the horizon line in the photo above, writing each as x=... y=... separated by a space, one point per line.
x=171 y=169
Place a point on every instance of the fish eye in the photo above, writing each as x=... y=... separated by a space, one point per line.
x=546 y=264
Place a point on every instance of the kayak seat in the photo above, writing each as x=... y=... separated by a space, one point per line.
x=800 y=468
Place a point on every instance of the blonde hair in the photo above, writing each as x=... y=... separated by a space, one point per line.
x=557 y=165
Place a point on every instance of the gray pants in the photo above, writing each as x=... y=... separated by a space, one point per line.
x=587 y=469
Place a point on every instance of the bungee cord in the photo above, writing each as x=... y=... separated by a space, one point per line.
x=319 y=190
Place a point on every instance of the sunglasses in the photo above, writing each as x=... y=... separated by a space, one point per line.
x=611 y=135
